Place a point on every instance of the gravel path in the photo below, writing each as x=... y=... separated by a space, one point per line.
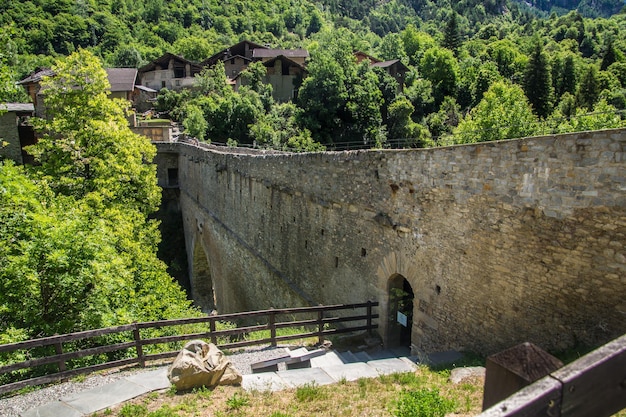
x=13 y=406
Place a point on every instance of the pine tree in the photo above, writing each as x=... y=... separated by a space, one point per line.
x=538 y=81
x=451 y=35
x=609 y=57
x=568 y=77
x=589 y=89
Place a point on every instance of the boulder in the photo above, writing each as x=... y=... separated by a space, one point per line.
x=458 y=375
x=201 y=364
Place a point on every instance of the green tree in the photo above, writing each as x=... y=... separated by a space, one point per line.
x=252 y=77
x=77 y=250
x=279 y=130
x=403 y=131
x=445 y=120
x=392 y=47
x=87 y=145
x=193 y=48
x=538 y=81
x=609 y=57
x=487 y=75
x=126 y=57
x=195 y=123
x=507 y=57
x=451 y=34
x=441 y=68
x=565 y=79
x=9 y=90
x=603 y=116
x=503 y=113
x=416 y=43
x=588 y=88
x=340 y=99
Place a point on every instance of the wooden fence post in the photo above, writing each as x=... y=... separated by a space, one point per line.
x=137 y=336
x=272 y=325
x=58 y=347
x=320 y=327
x=369 y=317
x=212 y=330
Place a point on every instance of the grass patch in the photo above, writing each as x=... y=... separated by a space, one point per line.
x=382 y=396
x=423 y=403
x=237 y=401
x=309 y=392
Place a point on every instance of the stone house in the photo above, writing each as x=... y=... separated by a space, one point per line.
x=15 y=132
x=298 y=56
x=169 y=71
x=122 y=80
x=284 y=75
x=236 y=58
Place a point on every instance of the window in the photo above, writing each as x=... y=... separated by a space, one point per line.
x=179 y=70
x=162 y=84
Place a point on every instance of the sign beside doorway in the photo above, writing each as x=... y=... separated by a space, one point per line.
x=402 y=319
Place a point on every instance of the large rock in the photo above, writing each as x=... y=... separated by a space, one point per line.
x=202 y=364
x=458 y=375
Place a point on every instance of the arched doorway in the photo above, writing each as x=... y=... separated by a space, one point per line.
x=400 y=317
x=202 y=291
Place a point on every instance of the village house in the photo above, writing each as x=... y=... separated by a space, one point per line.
x=16 y=132
x=393 y=67
x=169 y=71
x=298 y=56
x=122 y=81
x=236 y=58
x=284 y=75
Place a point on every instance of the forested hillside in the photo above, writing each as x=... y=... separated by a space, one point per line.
x=463 y=58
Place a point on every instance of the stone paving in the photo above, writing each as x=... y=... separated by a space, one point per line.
x=327 y=369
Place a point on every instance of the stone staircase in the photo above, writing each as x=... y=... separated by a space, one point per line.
x=332 y=367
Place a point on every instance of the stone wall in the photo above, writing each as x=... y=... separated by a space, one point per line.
x=9 y=137
x=501 y=242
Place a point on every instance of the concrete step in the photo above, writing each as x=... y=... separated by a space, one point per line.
x=329 y=359
x=383 y=354
x=363 y=356
x=348 y=357
x=392 y=366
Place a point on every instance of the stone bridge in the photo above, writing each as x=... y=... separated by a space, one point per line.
x=475 y=247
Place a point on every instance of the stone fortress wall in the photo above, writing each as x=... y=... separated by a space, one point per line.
x=501 y=242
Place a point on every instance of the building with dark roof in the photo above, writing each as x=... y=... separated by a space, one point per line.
x=122 y=82
x=169 y=71
x=235 y=58
x=295 y=55
x=284 y=75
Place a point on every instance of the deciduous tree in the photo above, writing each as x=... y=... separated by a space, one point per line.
x=87 y=146
x=503 y=113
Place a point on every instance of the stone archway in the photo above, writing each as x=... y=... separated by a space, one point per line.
x=202 y=288
x=400 y=312
x=397 y=272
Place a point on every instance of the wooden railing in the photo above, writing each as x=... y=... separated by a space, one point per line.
x=318 y=321
x=594 y=385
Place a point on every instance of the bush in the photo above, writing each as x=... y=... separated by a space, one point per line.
x=422 y=403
